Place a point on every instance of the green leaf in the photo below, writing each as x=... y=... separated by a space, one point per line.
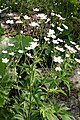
x=22 y=41
x=2 y=67
x=65 y=117
x=51 y=116
x=19 y=117
x=2 y=101
x=56 y=91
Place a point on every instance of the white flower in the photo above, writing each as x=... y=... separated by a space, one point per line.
x=46 y=39
x=53 y=36
x=60 y=40
x=66 y=27
x=67 y=55
x=21 y=31
x=58 y=59
x=77 y=47
x=58 y=69
x=12 y=53
x=16 y=17
x=5 y=60
x=77 y=60
x=72 y=42
x=34 y=24
x=42 y=16
x=32 y=45
x=52 y=13
x=55 y=42
x=20 y=51
x=19 y=21
x=60 y=29
x=47 y=20
x=26 y=17
x=10 y=14
x=10 y=44
x=29 y=55
x=78 y=72
x=52 y=25
x=4 y=51
x=60 y=49
x=72 y=50
x=16 y=3
x=51 y=33
x=60 y=17
x=10 y=22
x=36 y=9
x=34 y=39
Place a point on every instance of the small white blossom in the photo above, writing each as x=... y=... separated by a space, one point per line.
x=29 y=55
x=77 y=60
x=72 y=42
x=5 y=60
x=77 y=47
x=32 y=45
x=34 y=24
x=4 y=51
x=47 y=20
x=10 y=14
x=10 y=44
x=60 y=17
x=21 y=31
x=67 y=55
x=78 y=72
x=16 y=17
x=46 y=39
x=16 y=3
x=36 y=9
x=50 y=33
x=52 y=25
x=52 y=14
x=19 y=21
x=26 y=17
x=60 y=49
x=66 y=27
x=34 y=39
x=42 y=16
x=60 y=40
x=53 y=36
x=72 y=50
x=58 y=69
x=20 y=51
x=55 y=42
x=12 y=53
x=10 y=22
x=19 y=76
x=58 y=59
x=60 y=29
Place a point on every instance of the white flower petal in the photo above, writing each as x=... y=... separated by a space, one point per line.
x=20 y=51
x=10 y=22
x=58 y=69
x=5 y=60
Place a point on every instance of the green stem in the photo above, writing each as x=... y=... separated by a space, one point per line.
x=30 y=99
